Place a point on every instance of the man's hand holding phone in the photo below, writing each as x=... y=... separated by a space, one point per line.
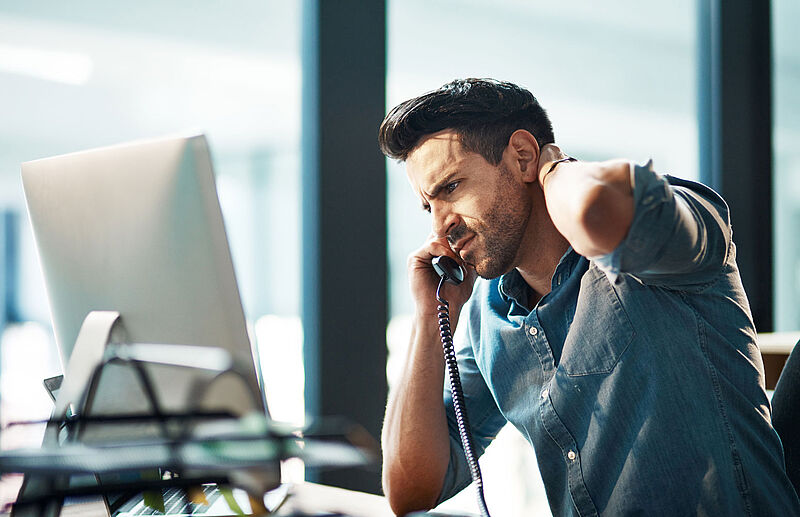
x=424 y=280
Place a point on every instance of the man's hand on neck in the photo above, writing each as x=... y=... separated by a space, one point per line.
x=590 y=203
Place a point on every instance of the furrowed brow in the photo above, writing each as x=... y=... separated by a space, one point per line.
x=438 y=187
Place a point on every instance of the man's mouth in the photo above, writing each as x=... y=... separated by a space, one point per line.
x=462 y=246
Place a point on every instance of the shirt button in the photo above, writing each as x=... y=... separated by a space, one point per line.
x=533 y=331
x=545 y=393
x=571 y=455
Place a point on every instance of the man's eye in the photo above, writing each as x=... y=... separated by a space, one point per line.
x=452 y=186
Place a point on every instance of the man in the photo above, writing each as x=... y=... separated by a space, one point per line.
x=609 y=326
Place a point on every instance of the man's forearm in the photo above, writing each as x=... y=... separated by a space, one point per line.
x=590 y=203
x=416 y=444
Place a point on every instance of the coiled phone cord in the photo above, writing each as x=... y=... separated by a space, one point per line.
x=458 y=396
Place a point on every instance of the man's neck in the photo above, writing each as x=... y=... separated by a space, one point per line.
x=539 y=264
x=540 y=279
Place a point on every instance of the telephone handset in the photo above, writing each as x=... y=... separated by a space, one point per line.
x=449 y=270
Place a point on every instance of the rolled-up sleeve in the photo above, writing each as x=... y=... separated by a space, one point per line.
x=680 y=235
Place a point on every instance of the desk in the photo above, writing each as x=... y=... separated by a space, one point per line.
x=312 y=497
x=305 y=497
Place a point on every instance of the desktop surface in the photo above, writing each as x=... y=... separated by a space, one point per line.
x=312 y=499
x=304 y=500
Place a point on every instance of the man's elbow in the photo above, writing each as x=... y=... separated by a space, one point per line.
x=603 y=221
x=408 y=493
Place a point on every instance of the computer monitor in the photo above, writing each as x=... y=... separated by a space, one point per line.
x=137 y=228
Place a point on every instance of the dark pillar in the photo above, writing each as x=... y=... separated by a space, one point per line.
x=8 y=269
x=736 y=133
x=344 y=218
x=9 y=274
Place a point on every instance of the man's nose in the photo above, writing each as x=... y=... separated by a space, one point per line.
x=444 y=221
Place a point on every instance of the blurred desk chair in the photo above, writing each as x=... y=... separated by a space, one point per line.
x=786 y=414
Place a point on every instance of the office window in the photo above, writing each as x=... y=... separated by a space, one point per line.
x=90 y=73
x=786 y=162
x=617 y=79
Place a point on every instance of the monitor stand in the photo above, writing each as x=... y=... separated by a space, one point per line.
x=98 y=330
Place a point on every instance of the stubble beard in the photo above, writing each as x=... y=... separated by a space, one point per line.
x=502 y=229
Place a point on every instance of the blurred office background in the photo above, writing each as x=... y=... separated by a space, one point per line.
x=621 y=79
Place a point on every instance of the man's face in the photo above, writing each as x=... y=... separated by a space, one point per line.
x=482 y=209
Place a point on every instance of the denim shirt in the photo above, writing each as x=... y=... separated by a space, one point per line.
x=637 y=379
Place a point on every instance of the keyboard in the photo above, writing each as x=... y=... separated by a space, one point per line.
x=175 y=503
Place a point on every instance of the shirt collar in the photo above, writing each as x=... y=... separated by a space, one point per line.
x=513 y=287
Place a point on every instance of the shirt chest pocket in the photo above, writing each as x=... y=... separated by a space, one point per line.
x=600 y=331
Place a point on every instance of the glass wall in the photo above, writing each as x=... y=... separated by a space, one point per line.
x=90 y=73
x=786 y=162
x=618 y=80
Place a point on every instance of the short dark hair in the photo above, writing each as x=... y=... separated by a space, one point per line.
x=483 y=112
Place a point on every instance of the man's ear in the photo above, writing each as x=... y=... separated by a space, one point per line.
x=524 y=153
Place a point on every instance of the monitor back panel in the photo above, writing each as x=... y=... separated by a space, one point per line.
x=137 y=229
